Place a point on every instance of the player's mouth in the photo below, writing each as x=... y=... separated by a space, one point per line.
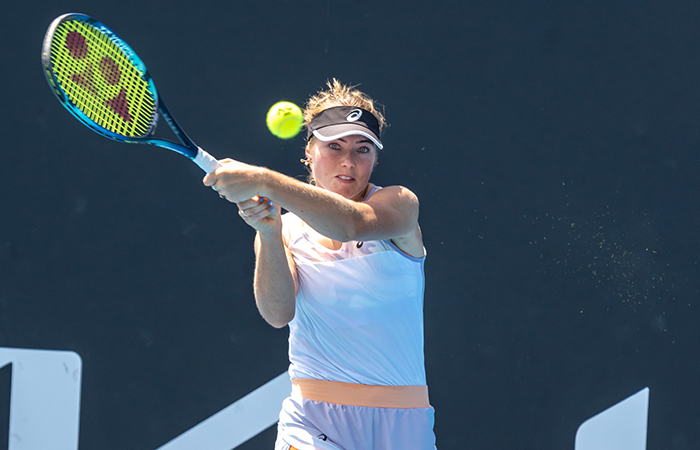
x=345 y=178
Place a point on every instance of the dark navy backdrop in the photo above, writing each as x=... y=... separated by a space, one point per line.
x=555 y=149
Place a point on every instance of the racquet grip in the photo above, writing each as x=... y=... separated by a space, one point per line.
x=207 y=162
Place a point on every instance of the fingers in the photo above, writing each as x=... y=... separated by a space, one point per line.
x=261 y=214
x=252 y=202
x=233 y=180
x=256 y=216
x=255 y=207
x=209 y=179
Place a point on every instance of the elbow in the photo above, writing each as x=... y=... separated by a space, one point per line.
x=352 y=230
x=276 y=309
x=346 y=236
x=277 y=315
x=279 y=321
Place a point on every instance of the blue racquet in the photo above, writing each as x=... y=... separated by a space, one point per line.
x=105 y=85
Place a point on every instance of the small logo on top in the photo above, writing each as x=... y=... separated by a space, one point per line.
x=354 y=115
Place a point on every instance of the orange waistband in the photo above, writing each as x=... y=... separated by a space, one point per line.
x=360 y=394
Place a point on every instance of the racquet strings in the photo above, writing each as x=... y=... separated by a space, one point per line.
x=101 y=81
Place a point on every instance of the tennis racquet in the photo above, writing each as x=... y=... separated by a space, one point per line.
x=105 y=85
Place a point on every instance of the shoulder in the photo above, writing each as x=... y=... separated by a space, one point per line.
x=397 y=198
x=395 y=193
x=399 y=207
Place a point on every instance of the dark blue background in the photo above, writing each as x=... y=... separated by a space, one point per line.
x=555 y=148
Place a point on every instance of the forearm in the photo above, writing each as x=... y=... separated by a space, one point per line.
x=274 y=284
x=328 y=213
x=391 y=213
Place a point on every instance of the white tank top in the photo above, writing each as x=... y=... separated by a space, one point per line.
x=359 y=311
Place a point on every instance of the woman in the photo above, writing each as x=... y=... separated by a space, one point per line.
x=344 y=269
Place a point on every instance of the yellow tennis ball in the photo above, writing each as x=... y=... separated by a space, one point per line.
x=284 y=120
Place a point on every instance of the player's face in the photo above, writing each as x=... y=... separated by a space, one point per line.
x=343 y=165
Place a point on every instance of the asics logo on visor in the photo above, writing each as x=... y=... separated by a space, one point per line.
x=354 y=115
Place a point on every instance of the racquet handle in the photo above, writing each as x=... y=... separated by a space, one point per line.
x=207 y=162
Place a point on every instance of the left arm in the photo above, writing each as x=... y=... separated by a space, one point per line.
x=391 y=213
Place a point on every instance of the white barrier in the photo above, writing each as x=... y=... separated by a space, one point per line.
x=45 y=410
x=44 y=398
x=620 y=427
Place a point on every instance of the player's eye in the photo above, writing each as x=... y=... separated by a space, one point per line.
x=334 y=146
x=363 y=150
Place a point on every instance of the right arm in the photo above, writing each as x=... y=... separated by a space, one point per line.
x=275 y=281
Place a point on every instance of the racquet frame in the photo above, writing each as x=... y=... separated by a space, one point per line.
x=186 y=146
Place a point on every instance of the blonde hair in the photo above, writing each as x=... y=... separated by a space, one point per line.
x=339 y=94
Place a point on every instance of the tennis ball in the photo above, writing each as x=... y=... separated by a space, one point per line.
x=284 y=120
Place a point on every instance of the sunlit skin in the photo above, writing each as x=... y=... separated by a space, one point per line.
x=344 y=165
x=333 y=212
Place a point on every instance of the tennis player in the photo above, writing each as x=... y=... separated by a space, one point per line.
x=344 y=269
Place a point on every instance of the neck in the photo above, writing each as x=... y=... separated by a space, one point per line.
x=362 y=195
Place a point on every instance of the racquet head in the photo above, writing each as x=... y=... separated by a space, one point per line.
x=99 y=78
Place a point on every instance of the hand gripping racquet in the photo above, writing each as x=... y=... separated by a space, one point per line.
x=105 y=85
